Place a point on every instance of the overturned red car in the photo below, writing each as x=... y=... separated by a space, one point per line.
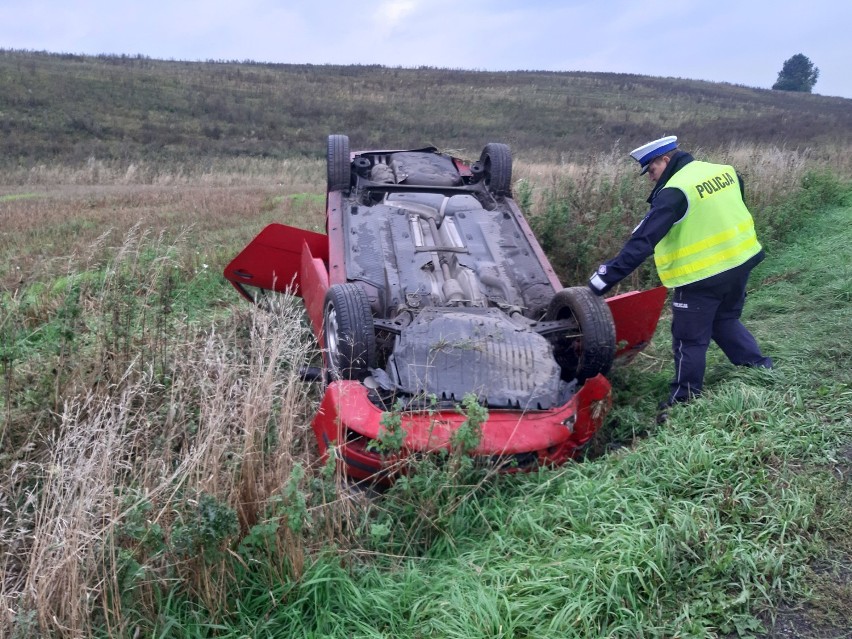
x=428 y=287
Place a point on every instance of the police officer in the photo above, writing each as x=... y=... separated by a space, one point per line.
x=704 y=245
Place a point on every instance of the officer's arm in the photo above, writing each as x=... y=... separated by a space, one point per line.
x=668 y=207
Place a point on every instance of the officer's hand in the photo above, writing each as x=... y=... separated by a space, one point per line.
x=597 y=284
x=594 y=290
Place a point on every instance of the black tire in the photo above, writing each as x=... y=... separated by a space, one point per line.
x=496 y=162
x=348 y=332
x=338 y=163
x=591 y=349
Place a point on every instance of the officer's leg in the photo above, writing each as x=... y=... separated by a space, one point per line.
x=692 y=322
x=735 y=340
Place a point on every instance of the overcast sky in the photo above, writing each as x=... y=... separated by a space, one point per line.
x=741 y=43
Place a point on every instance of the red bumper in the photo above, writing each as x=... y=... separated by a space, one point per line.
x=348 y=420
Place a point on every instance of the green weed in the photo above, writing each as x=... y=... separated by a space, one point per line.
x=819 y=190
x=204 y=529
x=391 y=433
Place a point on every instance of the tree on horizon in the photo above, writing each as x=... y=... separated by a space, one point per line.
x=797 y=74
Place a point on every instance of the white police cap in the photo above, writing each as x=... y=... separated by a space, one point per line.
x=644 y=154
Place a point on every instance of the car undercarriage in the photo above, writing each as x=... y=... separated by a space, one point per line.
x=429 y=286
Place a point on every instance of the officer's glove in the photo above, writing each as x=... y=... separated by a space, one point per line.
x=597 y=283
x=594 y=290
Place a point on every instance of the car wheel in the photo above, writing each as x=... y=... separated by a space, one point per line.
x=591 y=347
x=496 y=162
x=338 y=163
x=348 y=332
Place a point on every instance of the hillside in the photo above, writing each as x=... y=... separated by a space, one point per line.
x=67 y=108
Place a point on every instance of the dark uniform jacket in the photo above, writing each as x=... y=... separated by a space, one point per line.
x=667 y=207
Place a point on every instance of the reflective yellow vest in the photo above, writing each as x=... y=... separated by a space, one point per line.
x=717 y=232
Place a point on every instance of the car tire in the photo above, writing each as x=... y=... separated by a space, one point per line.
x=348 y=332
x=591 y=351
x=496 y=162
x=339 y=176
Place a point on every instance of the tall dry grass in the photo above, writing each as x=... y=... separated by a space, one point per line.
x=771 y=173
x=170 y=439
x=583 y=212
x=214 y=172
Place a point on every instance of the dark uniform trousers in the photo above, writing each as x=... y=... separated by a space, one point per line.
x=705 y=310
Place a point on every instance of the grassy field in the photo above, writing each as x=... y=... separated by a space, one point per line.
x=159 y=475
x=157 y=118
x=161 y=478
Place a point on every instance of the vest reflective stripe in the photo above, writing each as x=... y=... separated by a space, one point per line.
x=730 y=257
x=695 y=248
x=746 y=228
